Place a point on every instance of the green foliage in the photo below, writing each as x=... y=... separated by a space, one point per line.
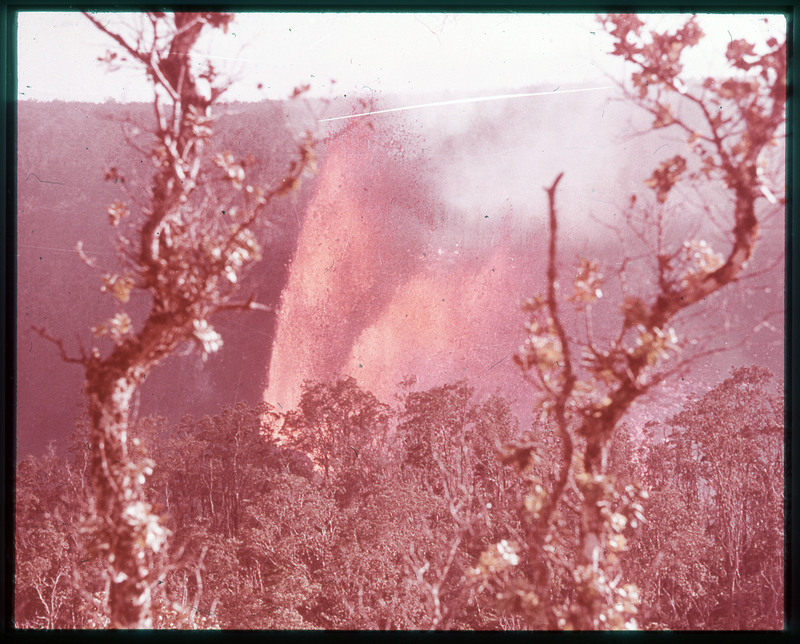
x=341 y=426
x=711 y=553
x=260 y=539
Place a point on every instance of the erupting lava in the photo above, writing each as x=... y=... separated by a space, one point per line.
x=367 y=296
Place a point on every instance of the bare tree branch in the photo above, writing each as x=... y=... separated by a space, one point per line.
x=60 y=346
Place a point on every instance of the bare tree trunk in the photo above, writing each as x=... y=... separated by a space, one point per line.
x=127 y=532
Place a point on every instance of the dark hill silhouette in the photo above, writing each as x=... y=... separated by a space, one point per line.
x=482 y=166
x=63 y=152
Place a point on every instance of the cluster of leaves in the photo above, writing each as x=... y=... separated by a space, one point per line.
x=186 y=255
x=741 y=114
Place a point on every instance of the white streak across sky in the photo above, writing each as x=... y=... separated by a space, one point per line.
x=462 y=101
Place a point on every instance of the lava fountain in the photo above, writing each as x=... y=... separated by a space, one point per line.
x=361 y=240
x=381 y=287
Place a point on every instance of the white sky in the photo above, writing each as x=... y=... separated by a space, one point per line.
x=391 y=53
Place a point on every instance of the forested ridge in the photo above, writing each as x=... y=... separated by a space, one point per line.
x=384 y=516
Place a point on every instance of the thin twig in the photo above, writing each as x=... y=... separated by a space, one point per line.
x=62 y=351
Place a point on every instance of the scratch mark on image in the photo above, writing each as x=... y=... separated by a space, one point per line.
x=462 y=101
x=31 y=174
x=60 y=250
x=209 y=56
x=496 y=363
x=238 y=382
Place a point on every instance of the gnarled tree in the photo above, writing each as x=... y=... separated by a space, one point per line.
x=196 y=229
x=588 y=383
